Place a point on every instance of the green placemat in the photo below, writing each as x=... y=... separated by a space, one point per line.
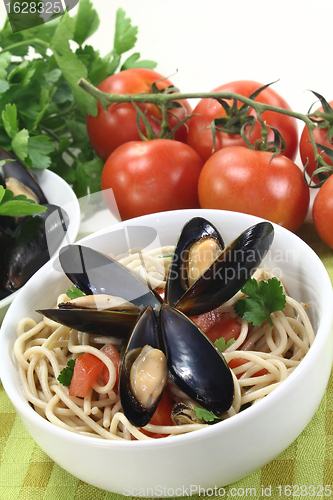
x=304 y=470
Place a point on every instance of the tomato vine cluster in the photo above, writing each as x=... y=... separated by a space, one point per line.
x=234 y=151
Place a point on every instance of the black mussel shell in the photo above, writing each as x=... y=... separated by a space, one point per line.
x=196 y=366
x=145 y=333
x=32 y=244
x=196 y=229
x=17 y=170
x=117 y=324
x=94 y=273
x=229 y=272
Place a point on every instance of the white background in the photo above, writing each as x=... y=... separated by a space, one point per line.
x=202 y=44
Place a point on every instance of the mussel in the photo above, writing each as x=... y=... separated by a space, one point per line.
x=226 y=271
x=144 y=371
x=26 y=242
x=194 y=364
x=97 y=274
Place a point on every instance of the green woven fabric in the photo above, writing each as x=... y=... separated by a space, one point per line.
x=303 y=470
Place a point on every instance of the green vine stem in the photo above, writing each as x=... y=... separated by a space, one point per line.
x=162 y=99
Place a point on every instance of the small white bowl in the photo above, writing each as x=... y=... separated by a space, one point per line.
x=211 y=457
x=57 y=192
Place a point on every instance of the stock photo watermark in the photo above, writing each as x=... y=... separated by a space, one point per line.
x=25 y=14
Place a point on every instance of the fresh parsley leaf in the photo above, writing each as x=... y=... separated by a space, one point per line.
x=17 y=206
x=262 y=299
x=74 y=292
x=221 y=344
x=205 y=415
x=65 y=376
x=42 y=108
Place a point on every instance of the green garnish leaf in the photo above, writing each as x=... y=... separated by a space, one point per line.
x=17 y=206
x=205 y=415
x=74 y=292
x=65 y=376
x=221 y=344
x=42 y=107
x=262 y=299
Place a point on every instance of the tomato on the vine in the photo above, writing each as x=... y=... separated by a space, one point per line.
x=306 y=149
x=322 y=212
x=151 y=176
x=200 y=135
x=250 y=181
x=109 y=129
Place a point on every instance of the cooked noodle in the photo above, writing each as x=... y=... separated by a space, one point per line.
x=268 y=356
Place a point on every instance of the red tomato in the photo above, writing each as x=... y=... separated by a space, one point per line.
x=200 y=136
x=306 y=150
x=322 y=212
x=162 y=415
x=152 y=176
x=109 y=129
x=87 y=369
x=249 y=181
x=113 y=354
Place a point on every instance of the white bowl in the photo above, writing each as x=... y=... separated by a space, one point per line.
x=57 y=192
x=214 y=456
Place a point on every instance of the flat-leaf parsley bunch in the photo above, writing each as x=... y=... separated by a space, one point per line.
x=42 y=108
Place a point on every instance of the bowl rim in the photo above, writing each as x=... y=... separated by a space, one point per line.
x=324 y=330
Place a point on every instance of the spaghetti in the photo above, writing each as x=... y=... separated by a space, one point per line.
x=261 y=358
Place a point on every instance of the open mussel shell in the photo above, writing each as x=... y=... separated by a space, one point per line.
x=196 y=366
x=229 y=272
x=15 y=176
x=32 y=244
x=141 y=385
x=195 y=231
x=96 y=273
x=116 y=322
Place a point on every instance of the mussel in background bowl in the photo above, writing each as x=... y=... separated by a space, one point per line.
x=227 y=450
x=24 y=245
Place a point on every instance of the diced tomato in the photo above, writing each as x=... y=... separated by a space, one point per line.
x=234 y=363
x=162 y=415
x=207 y=320
x=112 y=353
x=87 y=369
x=228 y=328
x=161 y=292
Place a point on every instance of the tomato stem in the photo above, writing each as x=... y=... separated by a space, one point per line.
x=163 y=99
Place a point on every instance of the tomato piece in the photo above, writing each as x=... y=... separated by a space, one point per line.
x=200 y=135
x=306 y=149
x=322 y=212
x=216 y=324
x=118 y=125
x=162 y=415
x=208 y=319
x=249 y=181
x=236 y=362
x=87 y=369
x=112 y=353
x=152 y=176
x=228 y=328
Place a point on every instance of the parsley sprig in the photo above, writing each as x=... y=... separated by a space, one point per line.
x=263 y=298
x=73 y=292
x=42 y=107
x=65 y=376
